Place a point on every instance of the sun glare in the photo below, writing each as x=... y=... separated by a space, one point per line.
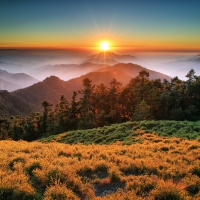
x=104 y=46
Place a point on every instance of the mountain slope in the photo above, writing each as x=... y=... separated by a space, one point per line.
x=11 y=104
x=132 y=70
x=27 y=100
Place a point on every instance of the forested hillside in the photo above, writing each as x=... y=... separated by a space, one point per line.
x=29 y=99
x=96 y=106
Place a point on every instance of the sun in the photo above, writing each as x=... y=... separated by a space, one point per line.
x=104 y=46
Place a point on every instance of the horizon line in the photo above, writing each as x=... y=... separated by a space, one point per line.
x=97 y=48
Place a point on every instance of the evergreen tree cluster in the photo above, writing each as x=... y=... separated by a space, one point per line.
x=96 y=106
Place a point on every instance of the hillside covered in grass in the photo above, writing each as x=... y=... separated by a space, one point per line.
x=129 y=132
x=158 y=169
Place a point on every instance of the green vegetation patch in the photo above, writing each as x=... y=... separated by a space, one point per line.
x=130 y=133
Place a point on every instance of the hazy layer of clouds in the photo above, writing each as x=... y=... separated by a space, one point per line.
x=26 y=61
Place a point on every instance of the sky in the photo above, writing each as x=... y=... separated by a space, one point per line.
x=163 y=25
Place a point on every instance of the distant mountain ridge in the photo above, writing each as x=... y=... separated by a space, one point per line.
x=66 y=71
x=182 y=67
x=6 y=85
x=110 y=58
x=93 y=62
x=10 y=81
x=10 y=66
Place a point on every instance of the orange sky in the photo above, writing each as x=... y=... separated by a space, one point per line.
x=140 y=26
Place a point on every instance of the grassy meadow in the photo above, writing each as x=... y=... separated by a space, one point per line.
x=126 y=133
x=152 y=166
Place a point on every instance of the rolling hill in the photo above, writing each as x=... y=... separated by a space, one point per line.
x=129 y=132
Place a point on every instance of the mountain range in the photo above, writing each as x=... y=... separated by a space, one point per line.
x=24 y=101
x=6 y=85
x=11 y=82
x=10 y=66
x=180 y=68
x=91 y=63
x=66 y=71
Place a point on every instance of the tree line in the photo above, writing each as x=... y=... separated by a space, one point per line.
x=96 y=106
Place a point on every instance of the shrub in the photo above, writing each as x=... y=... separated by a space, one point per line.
x=13 y=194
x=15 y=160
x=193 y=189
x=164 y=149
x=56 y=175
x=196 y=171
x=102 y=167
x=167 y=192
x=33 y=166
x=114 y=177
x=193 y=147
x=85 y=171
x=59 y=192
x=143 y=185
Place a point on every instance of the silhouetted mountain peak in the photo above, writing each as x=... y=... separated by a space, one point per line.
x=127 y=65
x=52 y=79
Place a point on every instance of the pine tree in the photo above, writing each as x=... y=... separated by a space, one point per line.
x=47 y=117
x=142 y=112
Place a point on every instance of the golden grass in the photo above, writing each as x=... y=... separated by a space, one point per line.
x=159 y=168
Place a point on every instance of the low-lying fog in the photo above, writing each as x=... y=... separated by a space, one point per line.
x=40 y=63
